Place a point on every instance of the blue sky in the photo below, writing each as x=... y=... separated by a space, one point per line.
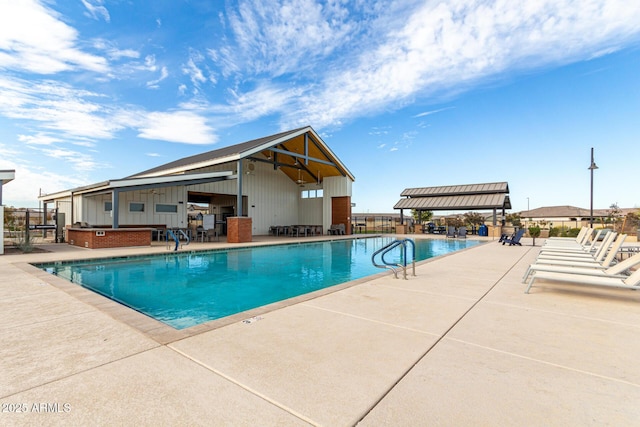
x=406 y=93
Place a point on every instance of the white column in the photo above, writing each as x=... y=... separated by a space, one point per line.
x=1 y=228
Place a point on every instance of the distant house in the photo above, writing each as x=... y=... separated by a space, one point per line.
x=284 y=179
x=562 y=216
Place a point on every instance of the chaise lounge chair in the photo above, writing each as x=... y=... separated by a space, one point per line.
x=582 y=237
x=601 y=264
x=616 y=269
x=462 y=232
x=630 y=282
x=599 y=254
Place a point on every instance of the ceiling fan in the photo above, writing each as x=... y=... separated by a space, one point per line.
x=301 y=182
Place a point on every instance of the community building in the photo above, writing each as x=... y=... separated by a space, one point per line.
x=287 y=179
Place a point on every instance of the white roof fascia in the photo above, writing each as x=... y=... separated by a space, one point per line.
x=200 y=165
x=120 y=183
x=7 y=176
x=280 y=140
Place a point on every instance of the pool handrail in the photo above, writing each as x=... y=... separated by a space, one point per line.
x=403 y=257
x=171 y=234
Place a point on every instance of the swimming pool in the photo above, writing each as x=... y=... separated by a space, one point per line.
x=186 y=289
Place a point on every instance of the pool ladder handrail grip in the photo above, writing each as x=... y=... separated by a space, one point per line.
x=171 y=234
x=186 y=236
x=385 y=264
x=413 y=259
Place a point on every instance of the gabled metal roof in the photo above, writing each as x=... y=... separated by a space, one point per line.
x=457 y=190
x=299 y=153
x=493 y=195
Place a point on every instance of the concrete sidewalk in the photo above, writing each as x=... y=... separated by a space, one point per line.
x=458 y=344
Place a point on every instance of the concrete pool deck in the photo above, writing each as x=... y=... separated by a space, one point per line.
x=458 y=344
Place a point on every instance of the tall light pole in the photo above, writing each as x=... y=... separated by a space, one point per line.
x=592 y=168
x=527 y=203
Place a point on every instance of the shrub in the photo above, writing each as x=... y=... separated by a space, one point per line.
x=555 y=232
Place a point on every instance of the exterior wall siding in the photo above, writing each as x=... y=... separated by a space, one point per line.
x=272 y=199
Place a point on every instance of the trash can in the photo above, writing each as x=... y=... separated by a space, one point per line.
x=483 y=230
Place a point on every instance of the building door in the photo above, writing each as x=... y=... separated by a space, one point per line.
x=341 y=212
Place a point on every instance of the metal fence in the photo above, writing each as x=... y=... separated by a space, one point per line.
x=29 y=225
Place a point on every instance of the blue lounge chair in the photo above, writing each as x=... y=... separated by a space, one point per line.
x=515 y=239
x=451 y=231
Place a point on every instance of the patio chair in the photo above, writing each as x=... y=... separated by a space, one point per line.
x=451 y=232
x=462 y=232
x=515 y=240
x=590 y=270
x=614 y=281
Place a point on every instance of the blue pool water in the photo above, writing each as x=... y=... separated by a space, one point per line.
x=186 y=289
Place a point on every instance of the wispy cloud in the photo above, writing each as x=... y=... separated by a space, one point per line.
x=354 y=64
x=285 y=37
x=428 y=113
x=80 y=161
x=40 y=138
x=31 y=177
x=34 y=39
x=96 y=10
x=153 y=84
x=180 y=126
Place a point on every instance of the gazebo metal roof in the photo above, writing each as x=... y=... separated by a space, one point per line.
x=493 y=195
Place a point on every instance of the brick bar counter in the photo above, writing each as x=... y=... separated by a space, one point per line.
x=98 y=238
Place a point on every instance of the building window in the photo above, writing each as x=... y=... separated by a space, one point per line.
x=166 y=208
x=311 y=194
x=136 y=207
x=108 y=206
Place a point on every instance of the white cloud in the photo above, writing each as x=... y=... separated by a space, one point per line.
x=153 y=84
x=34 y=39
x=80 y=161
x=30 y=179
x=428 y=113
x=96 y=10
x=57 y=106
x=195 y=74
x=351 y=68
x=113 y=52
x=264 y=100
x=284 y=37
x=39 y=138
x=180 y=126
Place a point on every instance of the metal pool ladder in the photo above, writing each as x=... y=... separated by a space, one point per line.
x=175 y=237
x=402 y=243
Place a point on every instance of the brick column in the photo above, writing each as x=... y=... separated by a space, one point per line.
x=238 y=229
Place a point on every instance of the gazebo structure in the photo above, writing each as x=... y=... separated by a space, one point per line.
x=471 y=197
